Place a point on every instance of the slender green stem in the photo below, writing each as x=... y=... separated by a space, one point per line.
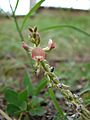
x=55 y=102
x=16 y=6
x=16 y=23
x=18 y=29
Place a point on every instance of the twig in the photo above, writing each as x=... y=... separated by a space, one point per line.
x=5 y=115
x=20 y=116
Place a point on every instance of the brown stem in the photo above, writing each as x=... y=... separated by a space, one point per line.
x=5 y=115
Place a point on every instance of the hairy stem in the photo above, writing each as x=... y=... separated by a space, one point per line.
x=64 y=89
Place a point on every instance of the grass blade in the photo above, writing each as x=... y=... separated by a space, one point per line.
x=65 y=26
x=16 y=6
x=59 y=110
x=31 y=12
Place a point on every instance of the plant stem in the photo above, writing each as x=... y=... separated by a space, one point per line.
x=18 y=29
x=16 y=23
x=5 y=115
x=55 y=102
x=64 y=89
x=20 y=116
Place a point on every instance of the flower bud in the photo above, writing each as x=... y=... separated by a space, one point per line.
x=31 y=30
x=25 y=46
x=51 y=44
x=38 y=54
x=35 y=29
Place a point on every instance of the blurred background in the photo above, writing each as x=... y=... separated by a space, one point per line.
x=71 y=58
x=25 y=5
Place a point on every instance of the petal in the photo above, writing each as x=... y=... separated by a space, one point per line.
x=51 y=44
x=38 y=54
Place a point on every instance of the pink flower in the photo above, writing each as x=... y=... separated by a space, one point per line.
x=25 y=46
x=38 y=54
x=51 y=44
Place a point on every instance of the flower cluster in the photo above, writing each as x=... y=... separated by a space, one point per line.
x=39 y=55
x=36 y=51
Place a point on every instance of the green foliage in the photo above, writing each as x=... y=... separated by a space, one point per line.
x=11 y=96
x=17 y=102
x=55 y=102
x=41 y=84
x=58 y=117
x=23 y=95
x=12 y=109
x=31 y=12
x=33 y=90
x=38 y=111
x=28 y=84
x=65 y=26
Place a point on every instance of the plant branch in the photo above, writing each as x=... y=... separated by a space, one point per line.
x=5 y=115
x=16 y=23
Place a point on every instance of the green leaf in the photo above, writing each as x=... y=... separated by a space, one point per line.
x=36 y=101
x=38 y=111
x=23 y=106
x=28 y=84
x=22 y=99
x=31 y=12
x=41 y=85
x=22 y=96
x=65 y=26
x=12 y=109
x=11 y=96
x=17 y=99
x=16 y=6
x=15 y=109
x=57 y=106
